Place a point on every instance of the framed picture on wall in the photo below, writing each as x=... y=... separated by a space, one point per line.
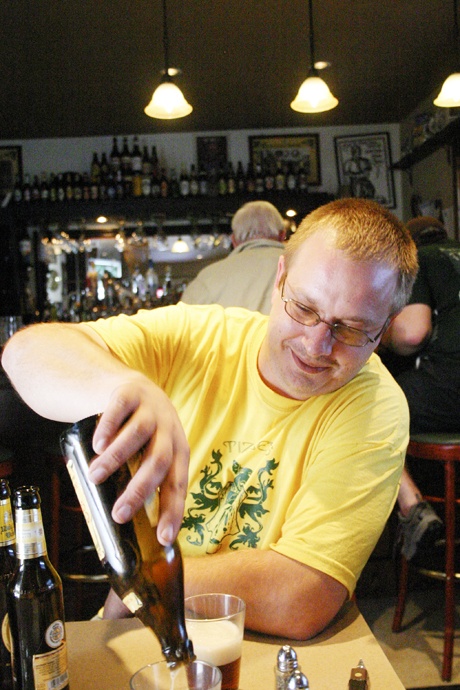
x=364 y=167
x=10 y=169
x=211 y=153
x=295 y=148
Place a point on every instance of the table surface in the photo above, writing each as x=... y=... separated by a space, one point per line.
x=104 y=654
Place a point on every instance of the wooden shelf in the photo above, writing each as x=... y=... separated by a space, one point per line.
x=449 y=135
x=64 y=213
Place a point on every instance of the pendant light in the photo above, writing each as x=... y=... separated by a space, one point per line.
x=168 y=102
x=449 y=96
x=314 y=95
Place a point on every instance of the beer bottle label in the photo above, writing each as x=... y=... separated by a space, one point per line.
x=50 y=669
x=6 y=523
x=86 y=510
x=30 y=537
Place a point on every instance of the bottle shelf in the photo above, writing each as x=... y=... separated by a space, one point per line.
x=450 y=134
x=144 y=209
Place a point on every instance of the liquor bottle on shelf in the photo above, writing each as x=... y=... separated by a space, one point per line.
x=69 y=187
x=259 y=180
x=184 y=183
x=147 y=576
x=115 y=160
x=240 y=178
x=26 y=189
x=35 y=192
x=7 y=564
x=203 y=181
x=125 y=158
x=146 y=162
x=302 y=179
x=231 y=179
x=77 y=187
x=174 y=190
x=164 y=184
x=269 y=178
x=250 y=180
x=95 y=171
x=44 y=187
x=222 y=182
x=17 y=191
x=280 y=177
x=194 y=182
x=136 y=157
x=104 y=166
x=35 y=603
x=291 y=178
x=53 y=188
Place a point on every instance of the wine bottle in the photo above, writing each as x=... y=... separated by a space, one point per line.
x=35 y=603
x=147 y=576
x=7 y=563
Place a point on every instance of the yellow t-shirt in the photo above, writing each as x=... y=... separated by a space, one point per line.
x=313 y=480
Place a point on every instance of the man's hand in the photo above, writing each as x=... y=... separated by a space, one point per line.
x=140 y=416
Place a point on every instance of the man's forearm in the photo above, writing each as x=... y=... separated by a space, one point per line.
x=283 y=597
x=60 y=371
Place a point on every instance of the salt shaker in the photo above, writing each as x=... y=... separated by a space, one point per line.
x=297 y=681
x=286 y=663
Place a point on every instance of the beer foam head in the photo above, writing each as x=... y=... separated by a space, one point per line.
x=218 y=642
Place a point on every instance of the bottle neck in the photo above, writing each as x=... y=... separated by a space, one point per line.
x=6 y=523
x=30 y=535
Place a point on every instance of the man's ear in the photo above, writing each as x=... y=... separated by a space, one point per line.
x=280 y=271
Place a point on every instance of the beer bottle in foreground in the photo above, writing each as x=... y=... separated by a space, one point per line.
x=7 y=563
x=147 y=576
x=35 y=603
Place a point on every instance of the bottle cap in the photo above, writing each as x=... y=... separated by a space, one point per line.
x=297 y=680
x=287 y=659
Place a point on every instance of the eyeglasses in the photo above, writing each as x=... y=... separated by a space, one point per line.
x=339 y=331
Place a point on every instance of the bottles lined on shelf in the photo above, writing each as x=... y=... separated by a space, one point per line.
x=137 y=173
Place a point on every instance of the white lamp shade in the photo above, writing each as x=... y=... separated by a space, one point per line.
x=314 y=97
x=168 y=103
x=449 y=96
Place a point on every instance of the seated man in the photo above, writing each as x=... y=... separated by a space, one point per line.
x=277 y=441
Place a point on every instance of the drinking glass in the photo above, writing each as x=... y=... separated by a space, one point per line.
x=215 y=624
x=196 y=675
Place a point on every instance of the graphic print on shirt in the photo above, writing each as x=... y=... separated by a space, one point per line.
x=230 y=511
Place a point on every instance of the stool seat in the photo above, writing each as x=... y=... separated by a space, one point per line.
x=445 y=448
x=6 y=462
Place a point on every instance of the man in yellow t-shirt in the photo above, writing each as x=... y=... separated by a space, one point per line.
x=296 y=431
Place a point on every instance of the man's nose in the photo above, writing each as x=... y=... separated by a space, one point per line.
x=318 y=339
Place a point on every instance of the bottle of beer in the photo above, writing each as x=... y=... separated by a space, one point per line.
x=115 y=157
x=35 y=603
x=7 y=563
x=147 y=576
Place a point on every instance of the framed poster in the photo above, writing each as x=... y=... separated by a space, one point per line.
x=211 y=153
x=10 y=168
x=295 y=148
x=364 y=167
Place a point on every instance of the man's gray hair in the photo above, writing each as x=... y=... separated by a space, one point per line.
x=257 y=219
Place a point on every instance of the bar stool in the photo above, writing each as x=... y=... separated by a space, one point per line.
x=445 y=448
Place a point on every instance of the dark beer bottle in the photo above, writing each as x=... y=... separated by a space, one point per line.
x=147 y=576
x=7 y=563
x=35 y=603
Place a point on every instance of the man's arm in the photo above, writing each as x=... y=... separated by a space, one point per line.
x=65 y=372
x=283 y=597
x=409 y=330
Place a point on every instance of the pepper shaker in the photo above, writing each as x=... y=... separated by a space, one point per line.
x=286 y=663
x=297 y=681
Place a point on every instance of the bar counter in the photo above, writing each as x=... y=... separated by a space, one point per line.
x=104 y=654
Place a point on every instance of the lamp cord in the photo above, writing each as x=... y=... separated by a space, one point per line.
x=312 y=41
x=165 y=38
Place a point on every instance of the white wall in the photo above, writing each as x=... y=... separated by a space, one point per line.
x=174 y=150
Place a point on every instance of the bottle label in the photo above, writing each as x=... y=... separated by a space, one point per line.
x=6 y=633
x=85 y=508
x=6 y=523
x=55 y=634
x=50 y=669
x=30 y=537
x=132 y=602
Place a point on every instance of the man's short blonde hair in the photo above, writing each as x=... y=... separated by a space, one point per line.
x=257 y=219
x=365 y=231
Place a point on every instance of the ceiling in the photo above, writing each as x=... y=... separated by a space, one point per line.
x=89 y=68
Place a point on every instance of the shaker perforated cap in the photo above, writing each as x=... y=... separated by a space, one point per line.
x=287 y=659
x=298 y=681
